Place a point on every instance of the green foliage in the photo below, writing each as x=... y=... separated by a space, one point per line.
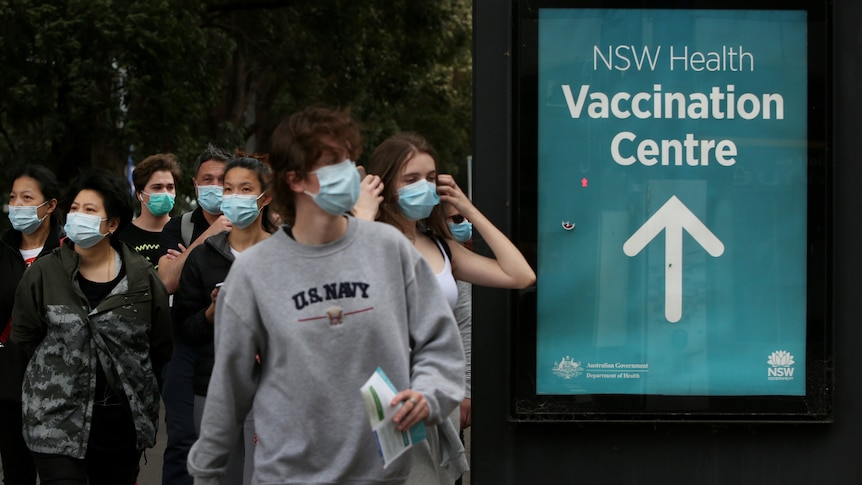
x=397 y=64
x=83 y=80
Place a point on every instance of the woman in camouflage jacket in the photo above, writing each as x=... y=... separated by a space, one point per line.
x=95 y=316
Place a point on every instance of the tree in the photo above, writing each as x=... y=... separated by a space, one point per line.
x=84 y=80
x=397 y=64
x=88 y=78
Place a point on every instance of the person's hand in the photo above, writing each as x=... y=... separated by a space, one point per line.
x=466 y=413
x=415 y=409
x=219 y=225
x=450 y=193
x=209 y=313
x=173 y=254
x=370 y=198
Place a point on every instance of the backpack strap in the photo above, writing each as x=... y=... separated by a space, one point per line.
x=187 y=228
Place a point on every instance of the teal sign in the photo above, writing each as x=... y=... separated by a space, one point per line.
x=672 y=202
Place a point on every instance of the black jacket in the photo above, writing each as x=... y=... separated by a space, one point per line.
x=206 y=266
x=12 y=359
x=128 y=334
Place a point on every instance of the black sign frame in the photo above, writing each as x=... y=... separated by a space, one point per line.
x=817 y=404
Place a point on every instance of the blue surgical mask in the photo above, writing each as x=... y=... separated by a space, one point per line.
x=418 y=199
x=339 y=187
x=209 y=198
x=83 y=229
x=160 y=203
x=25 y=218
x=241 y=210
x=463 y=231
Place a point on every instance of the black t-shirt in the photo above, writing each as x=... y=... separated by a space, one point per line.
x=172 y=234
x=95 y=293
x=146 y=243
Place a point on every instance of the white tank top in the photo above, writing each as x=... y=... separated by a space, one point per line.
x=445 y=278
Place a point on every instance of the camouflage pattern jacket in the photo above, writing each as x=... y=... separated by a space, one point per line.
x=129 y=333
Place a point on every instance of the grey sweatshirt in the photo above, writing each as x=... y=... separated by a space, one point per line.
x=323 y=318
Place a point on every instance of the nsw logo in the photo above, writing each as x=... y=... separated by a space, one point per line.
x=780 y=366
x=567 y=368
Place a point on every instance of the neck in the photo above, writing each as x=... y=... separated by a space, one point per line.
x=412 y=228
x=97 y=262
x=97 y=253
x=148 y=222
x=211 y=218
x=314 y=226
x=242 y=239
x=38 y=237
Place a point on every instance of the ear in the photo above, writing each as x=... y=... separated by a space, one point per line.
x=266 y=199
x=113 y=224
x=52 y=205
x=294 y=181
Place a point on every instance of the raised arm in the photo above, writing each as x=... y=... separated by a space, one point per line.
x=171 y=264
x=370 y=197
x=508 y=268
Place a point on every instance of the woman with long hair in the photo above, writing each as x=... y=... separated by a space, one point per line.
x=409 y=192
x=412 y=192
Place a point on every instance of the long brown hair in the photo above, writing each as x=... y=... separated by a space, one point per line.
x=388 y=161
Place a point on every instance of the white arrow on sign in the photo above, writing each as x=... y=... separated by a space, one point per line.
x=673 y=217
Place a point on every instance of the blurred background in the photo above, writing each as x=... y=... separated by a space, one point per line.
x=106 y=83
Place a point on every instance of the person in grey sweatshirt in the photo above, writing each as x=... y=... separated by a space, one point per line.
x=324 y=302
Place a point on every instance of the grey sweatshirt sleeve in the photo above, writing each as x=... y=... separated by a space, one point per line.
x=234 y=380
x=437 y=369
x=464 y=317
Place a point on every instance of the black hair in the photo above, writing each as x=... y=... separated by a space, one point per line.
x=264 y=176
x=115 y=191
x=211 y=152
x=46 y=179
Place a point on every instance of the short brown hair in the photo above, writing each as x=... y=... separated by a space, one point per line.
x=152 y=164
x=298 y=142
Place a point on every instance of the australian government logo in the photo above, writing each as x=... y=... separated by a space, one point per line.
x=568 y=368
x=780 y=366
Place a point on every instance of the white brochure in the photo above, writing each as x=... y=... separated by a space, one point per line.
x=377 y=393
